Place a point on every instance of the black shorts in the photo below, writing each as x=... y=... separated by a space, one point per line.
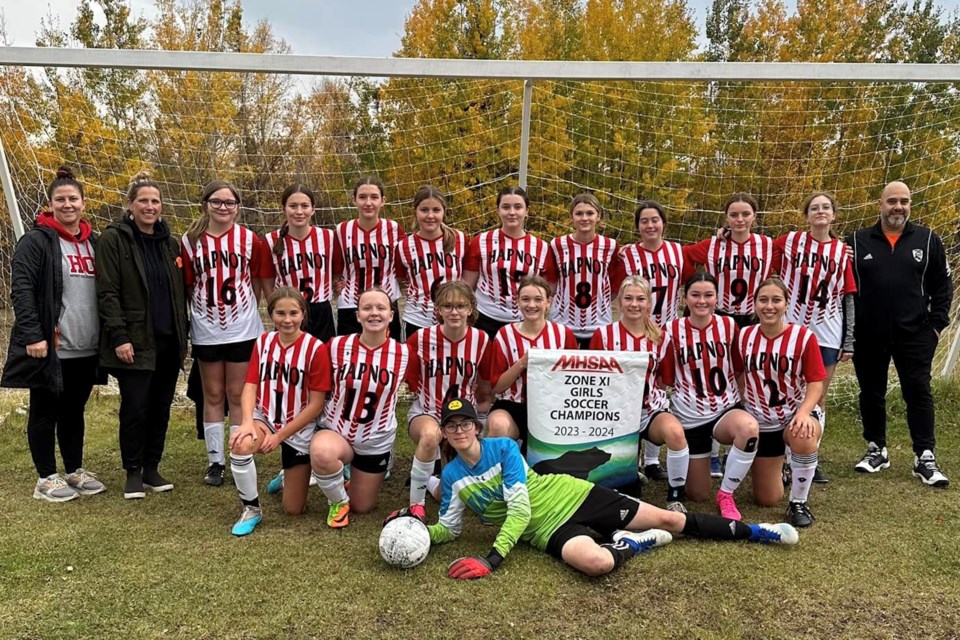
x=603 y=511
x=700 y=438
x=488 y=325
x=740 y=319
x=771 y=444
x=348 y=324
x=517 y=411
x=290 y=457
x=373 y=463
x=320 y=321
x=584 y=343
x=643 y=434
x=225 y=352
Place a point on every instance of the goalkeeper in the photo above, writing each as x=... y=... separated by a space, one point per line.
x=556 y=513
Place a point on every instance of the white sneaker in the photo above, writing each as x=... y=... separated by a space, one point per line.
x=85 y=483
x=643 y=541
x=875 y=459
x=926 y=470
x=54 y=489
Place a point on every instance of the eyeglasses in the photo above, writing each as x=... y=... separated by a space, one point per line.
x=462 y=308
x=463 y=425
x=222 y=204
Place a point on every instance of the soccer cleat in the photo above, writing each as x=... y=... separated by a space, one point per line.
x=419 y=512
x=798 y=513
x=819 y=477
x=154 y=481
x=339 y=515
x=926 y=470
x=54 y=488
x=214 y=474
x=644 y=541
x=313 y=479
x=716 y=469
x=133 y=489
x=655 y=472
x=786 y=474
x=676 y=506
x=248 y=521
x=875 y=459
x=780 y=533
x=85 y=483
x=276 y=483
x=727 y=506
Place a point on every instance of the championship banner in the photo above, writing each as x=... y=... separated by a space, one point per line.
x=584 y=411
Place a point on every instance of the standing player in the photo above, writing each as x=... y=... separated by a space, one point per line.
x=365 y=256
x=359 y=420
x=702 y=364
x=819 y=276
x=783 y=381
x=299 y=255
x=282 y=397
x=221 y=260
x=431 y=255
x=660 y=263
x=579 y=265
x=444 y=363
x=505 y=367
x=497 y=260
x=636 y=331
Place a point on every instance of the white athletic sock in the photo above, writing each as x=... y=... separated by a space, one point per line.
x=786 y=456
x=738 y=466
x=433 y=486
x=651 y=453
x=715 y=449
x=420 y=472
x=244 y=471
x=332 y=486
x=803 y=470
x=213 y=436
x=677 y=464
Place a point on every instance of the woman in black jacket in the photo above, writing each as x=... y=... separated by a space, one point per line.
x=53 y=345
x=143 y=336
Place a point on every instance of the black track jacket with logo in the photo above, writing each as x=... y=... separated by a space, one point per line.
x=900 y=291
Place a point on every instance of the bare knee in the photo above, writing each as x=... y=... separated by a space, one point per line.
x=675 y=439
x=499 y=425
x=598 y=563
x=767 y=497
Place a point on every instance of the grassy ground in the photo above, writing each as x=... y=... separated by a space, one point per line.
x=882 y=561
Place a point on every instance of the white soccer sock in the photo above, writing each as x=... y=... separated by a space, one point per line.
x=420 y=472
x=677 y=464
x=804 y=467
x=433 y=486
x=213 y=437
x=244 y=471
x=786 y=456
x=651 y=453
x=738 y=466
x=715 y=449
x=332 y=486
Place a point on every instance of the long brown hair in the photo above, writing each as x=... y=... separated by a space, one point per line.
x=279 y=247
x=200 y=224
x=430 y=192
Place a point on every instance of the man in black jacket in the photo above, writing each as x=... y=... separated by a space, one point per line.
x=903 y=300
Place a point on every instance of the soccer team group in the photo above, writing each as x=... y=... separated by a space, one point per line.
x=749 y=360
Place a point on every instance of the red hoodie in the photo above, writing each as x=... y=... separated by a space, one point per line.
x=46 y=219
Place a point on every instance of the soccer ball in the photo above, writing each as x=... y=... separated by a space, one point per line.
x=404 y=542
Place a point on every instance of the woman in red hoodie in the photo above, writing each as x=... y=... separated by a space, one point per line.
x=53 y=345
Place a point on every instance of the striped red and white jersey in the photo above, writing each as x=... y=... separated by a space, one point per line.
x=441 y=368
x=220 y=270
x=702 y=365
x=362 y=403
x=739 y=268
x=664 y=270
x=424 y=265
x=583 y=299
x=777 y=371
x=510 y=346
x=305 y=265
x=367 y=259
x=616 y=337
x=502 y=262
x=817 y=275
x=285 y=376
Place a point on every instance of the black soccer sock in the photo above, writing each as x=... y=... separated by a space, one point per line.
x=251 y=503
x=702 y=525
x=621 y=552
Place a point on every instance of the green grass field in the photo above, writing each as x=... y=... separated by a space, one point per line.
x=882 y=560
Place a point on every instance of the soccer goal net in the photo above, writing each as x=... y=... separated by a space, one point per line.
x=684 y=134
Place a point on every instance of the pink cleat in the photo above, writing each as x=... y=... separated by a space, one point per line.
x=728 y=508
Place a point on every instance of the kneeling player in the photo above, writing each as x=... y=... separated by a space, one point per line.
x=556 y=513
x=784 y=380
x=281 y=399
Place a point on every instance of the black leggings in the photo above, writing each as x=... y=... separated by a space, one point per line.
x=56 y=418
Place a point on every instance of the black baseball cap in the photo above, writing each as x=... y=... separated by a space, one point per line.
x=457 y=407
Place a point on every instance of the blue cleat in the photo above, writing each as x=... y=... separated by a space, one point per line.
x=276 y=484
x=248 y=521
x=780 y=533
x=644 y=541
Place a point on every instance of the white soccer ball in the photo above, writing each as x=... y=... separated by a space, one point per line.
x=404 y=542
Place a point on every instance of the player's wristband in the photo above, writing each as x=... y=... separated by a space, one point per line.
x=494 y=559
